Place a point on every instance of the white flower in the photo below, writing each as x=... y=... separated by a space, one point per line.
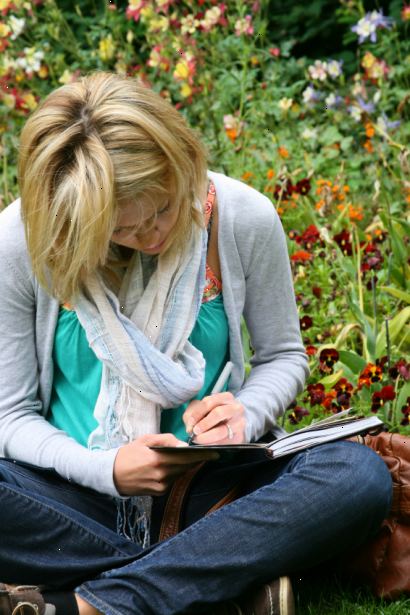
x=330 y=100
x=309 y=133
x=356 y=113
x=377 y=97
x=318 y=70
x=189 y=24
x=285 y=104
x=309 y=94
x=31 y=61
x=334 y=69
x=17 y=26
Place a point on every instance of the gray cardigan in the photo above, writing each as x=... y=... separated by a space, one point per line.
x=256 y=284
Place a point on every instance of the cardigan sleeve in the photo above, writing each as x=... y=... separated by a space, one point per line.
x=25 y=435
x=279 y=364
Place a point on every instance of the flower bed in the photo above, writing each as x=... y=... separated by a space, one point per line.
x=327 y=144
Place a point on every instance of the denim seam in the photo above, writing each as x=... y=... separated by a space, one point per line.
x=71 y=521
x=96 y=602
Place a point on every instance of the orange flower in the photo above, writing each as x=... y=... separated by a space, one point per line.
x=231 y=133
x=368 y=146
x=247 y=175
x=283 y=152
x=369 y=130
x=355 y=213
x=301 y=257
x=270 y=174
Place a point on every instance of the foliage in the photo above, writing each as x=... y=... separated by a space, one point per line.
x=325 y=139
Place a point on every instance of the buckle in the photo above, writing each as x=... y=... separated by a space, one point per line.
x=20 y=610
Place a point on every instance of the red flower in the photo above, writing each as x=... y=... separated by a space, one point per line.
x=297 y=415
x=372 y=258
x=311 y=350
x=309 y=237
x=301 y=257
x=406 y=411
x=401 y=368
x=327 y=359
x=316 y=393
x=302 y=186
x=379 y=398
x=371 y=373
x=317 y=291
x=305 y=323
x=343 y=241
x=343 y=390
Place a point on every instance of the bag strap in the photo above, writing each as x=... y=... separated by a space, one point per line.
x=171 y=521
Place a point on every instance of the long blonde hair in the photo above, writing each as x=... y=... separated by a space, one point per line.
x=88 y=146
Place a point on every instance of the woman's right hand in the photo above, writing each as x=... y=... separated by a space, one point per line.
x=139 y=470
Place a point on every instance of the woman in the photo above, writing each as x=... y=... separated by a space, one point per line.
x=125 y=270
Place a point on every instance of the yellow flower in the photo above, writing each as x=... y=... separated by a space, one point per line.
x=4 y=30
x=181 y=71
x=130 y=36
x=4 y=4
x=285 y=104
x=9 y=101
x=121 y=67
x=106 y=48
x=65 y=77
x=43 y=72
x=186 y=90
x=30 y=101
x=158 y=23
x=368 y=60
x=147 y=13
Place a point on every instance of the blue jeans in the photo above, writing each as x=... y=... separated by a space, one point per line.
x=292 y=514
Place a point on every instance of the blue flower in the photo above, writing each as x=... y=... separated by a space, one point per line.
x=367 y=107
x=366 y=27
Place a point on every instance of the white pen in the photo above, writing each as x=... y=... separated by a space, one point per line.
x=219 y=385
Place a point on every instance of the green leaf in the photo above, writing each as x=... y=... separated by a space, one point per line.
x=331 y=379
x=330 y=135
x=353 y=361
x=396 y=325
x=396 y=292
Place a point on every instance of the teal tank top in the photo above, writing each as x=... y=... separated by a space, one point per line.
x=77 y=371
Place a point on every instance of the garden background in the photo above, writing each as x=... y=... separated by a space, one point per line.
x=310 y=104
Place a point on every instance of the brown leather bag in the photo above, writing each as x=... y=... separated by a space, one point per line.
x=384 y=561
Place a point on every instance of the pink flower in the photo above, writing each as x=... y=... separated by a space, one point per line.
x=244 y=26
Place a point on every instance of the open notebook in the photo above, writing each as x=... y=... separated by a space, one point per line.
x=335 y=427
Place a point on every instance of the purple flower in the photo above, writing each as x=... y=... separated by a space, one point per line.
x=366 y=27
x=364 y=106
x=385 y=124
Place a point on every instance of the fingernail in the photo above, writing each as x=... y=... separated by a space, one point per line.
x=197 y=430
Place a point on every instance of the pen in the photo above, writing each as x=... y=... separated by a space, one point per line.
x=219 y=385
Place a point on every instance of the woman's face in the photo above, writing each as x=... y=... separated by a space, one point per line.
x=138 y=229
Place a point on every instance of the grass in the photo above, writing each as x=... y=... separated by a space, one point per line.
x=323 y=595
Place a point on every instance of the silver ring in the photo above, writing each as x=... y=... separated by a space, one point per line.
x=230 y=432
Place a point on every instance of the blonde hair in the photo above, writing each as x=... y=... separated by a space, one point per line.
x=88 y=146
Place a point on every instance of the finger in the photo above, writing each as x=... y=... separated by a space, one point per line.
x=160 y=439
x=220 y=414
x=221 y=435
x=198 y=409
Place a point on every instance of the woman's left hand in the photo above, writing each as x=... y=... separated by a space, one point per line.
x=216 y=419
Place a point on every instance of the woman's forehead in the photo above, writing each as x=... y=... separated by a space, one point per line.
x=140 y=210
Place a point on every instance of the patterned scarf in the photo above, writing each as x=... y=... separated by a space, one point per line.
x=141 y=337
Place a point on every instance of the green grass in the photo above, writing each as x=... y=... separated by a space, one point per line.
x=322 y=595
